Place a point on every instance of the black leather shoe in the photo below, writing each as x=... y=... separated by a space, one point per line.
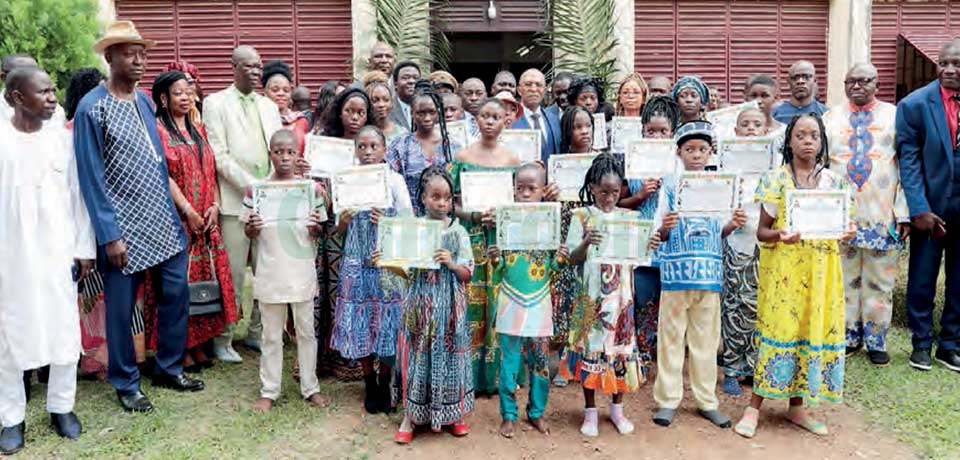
x=177 y=382
x=135 y=402
x=878 y=357
x=853 y=350
x=66 y=425
x=949 y=358
x=920 y=359
x=11 y=438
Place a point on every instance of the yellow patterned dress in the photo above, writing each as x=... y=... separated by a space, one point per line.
x=800 y=307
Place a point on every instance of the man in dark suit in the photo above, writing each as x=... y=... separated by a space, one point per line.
x=531 y=89
x=561 y=81
x=929 y=156
x=405 y=76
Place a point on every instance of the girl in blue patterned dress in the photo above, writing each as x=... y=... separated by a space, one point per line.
x=433 y=351
x=367 y=313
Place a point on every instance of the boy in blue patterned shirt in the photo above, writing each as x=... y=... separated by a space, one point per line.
x=691 y=276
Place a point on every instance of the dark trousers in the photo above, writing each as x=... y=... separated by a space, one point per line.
x=169 y=281
x=925 y=256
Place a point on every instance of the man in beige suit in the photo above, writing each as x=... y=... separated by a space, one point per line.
x=239 y=124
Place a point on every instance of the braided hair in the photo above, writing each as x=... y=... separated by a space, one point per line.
x=603 y=165
x=661 y=106
x=161 y=86
x=823 y=156
x=428 y=175
x=333 y=124
x=567 y=125
x=424 y=89
x=81 y=82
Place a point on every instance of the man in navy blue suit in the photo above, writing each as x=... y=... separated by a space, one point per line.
x=532 y=87
x=929 y=153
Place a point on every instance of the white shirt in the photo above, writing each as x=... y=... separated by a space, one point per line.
x=527 y=113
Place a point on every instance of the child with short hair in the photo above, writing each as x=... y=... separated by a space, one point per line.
x=433 y=348
x=602 y=348
x=524 y=314
x=800 y=304
x=691 y=274
x=738 y=299
x=367 y=314
x=285 y=278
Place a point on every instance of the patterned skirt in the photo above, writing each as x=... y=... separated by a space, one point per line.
x=738 y=312
x=329 y=361
x=482 y=314
x=646 y=307
x=565 y=284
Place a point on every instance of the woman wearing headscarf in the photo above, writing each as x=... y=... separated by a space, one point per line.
x=692 y=96
x=193 y=81
x=588 y=92
x=193 y=187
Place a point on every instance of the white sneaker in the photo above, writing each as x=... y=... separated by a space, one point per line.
x=227 y=354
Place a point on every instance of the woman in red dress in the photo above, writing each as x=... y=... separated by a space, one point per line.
x=193 y=186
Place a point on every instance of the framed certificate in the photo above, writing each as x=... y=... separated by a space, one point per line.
x=625 y=240
x=568 y=172
x=524 y=143
x=650 y=158
x=408 y=242
x=599 y=131
x=328 y=155
x=483 y=190
x=623 y=131
x=528 y=226
x=458 y=132
x=361 y=187
x=707 y=193
x=818 y=214
x=746 y=154
x=283 y=200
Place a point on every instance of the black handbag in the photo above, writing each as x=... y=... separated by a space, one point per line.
x=206 y=298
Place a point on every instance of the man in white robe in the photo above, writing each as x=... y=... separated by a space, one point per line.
x=47 y=243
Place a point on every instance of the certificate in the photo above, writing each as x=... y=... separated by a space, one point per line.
x=748 y=188
x=528 y=226
x=458 y=133
x=625 y=240
x=568 y=172
x=818 y=214
x=483 y=190
x=725 y=120
x=408 y=242
x=524 y=143
x=361 y=187
x=707 y=193
x=650 y=158
x=283 y=200
x=623 y=131
x=599 y=131
x=746 y=154
x=328 y=155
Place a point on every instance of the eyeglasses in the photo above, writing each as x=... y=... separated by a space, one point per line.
x=859 y=81
x=801 y=76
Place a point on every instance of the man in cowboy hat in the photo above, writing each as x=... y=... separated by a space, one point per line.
x=123 y=177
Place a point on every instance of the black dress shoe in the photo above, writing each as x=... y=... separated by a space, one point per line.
x=852 y=350
x=66 y=425
x=920 y=359
x=11 y=438
x=949 y=358
x=135 y=402
x=177 y=382
x=878 y=357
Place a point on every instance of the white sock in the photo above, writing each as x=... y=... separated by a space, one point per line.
x=589 y=427
x=624 y=426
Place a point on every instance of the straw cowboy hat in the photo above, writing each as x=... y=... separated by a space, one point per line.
x=121 y=32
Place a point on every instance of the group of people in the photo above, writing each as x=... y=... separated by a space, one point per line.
x=144 y=196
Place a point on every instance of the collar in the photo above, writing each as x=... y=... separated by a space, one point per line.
x=865 y=108
x=244 y=97
x=948 y=93
x=527 y=112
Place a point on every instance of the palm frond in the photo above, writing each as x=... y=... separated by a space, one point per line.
x=406 y=25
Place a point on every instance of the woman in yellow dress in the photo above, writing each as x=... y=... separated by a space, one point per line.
x=800 y=306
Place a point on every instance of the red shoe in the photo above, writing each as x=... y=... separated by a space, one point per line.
x=403 y=437
x=460 y=429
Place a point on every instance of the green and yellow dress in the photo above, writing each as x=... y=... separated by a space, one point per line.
x=481 y=292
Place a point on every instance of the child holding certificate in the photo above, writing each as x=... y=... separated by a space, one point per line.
x=738 y=300
x=800 y=304
x=576 y=136
x=285 y=277
x=433 y=348
x=524 y=313
x=483 y=155
x=691 y=275
x=367 y=314
x=660 y=117
x=602 y=349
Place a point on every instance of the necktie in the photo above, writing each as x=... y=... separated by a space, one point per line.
x=536 y=122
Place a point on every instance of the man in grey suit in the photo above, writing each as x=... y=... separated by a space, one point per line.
x=405 y=76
